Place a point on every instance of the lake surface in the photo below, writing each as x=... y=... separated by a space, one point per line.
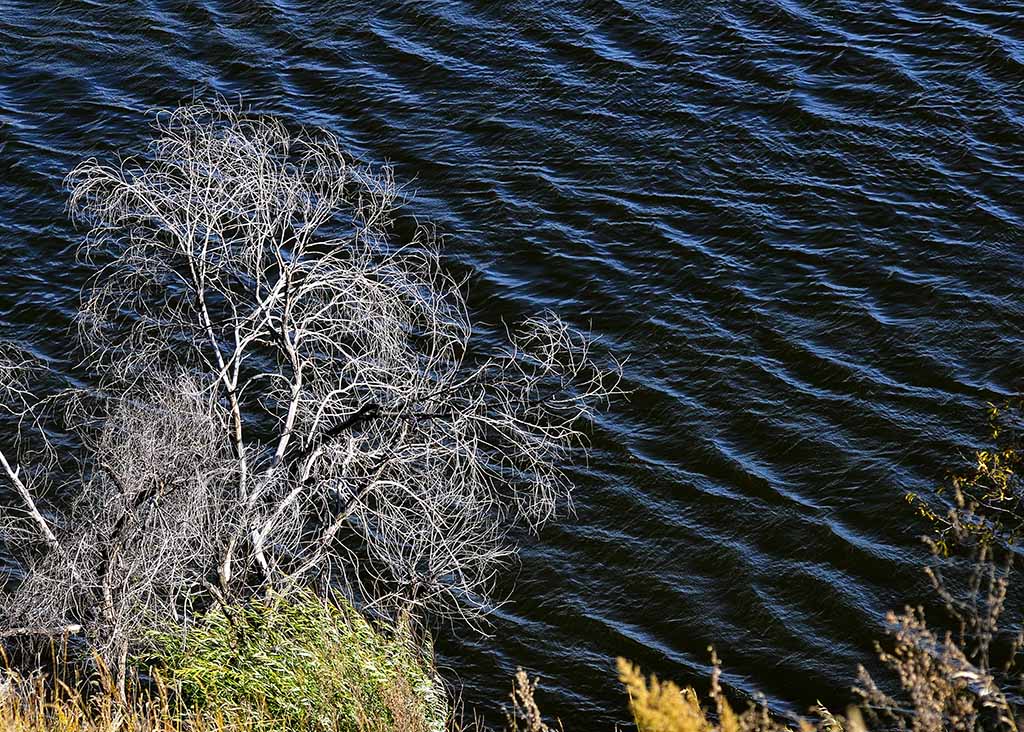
x=802 y=221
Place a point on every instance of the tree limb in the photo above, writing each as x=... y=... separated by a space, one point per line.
x=15 y=477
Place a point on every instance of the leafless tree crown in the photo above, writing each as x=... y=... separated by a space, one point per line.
x=285 y=395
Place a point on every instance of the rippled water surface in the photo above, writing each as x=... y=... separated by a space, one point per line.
x=801 y=220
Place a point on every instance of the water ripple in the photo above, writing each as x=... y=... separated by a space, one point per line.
x=800 y=220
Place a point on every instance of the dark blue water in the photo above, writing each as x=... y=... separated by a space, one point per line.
x=801 y=220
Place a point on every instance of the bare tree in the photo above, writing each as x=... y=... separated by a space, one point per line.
x=286 y=394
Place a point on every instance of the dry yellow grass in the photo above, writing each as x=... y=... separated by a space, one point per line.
x=37 y=706
x=34 y=706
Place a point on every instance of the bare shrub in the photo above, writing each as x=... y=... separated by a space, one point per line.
x=966 y=677
x=286 y=396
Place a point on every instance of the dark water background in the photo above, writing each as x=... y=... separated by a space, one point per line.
x=802 y=220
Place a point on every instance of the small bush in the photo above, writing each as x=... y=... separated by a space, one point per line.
x=987 y=494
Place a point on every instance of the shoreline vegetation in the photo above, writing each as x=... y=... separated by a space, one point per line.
x=289 y=466
x=296 y=662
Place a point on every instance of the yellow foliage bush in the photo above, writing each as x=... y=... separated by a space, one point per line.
x=662 y=706
x=988 y=495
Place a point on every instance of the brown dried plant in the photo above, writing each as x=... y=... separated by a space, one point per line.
x=525 y=715
x=967 y=676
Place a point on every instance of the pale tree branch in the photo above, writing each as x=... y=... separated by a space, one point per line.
x=14 y=475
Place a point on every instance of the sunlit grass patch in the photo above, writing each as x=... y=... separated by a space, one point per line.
x=293 y=663
x=303 y=662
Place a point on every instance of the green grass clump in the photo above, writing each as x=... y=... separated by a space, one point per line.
x=302 y=664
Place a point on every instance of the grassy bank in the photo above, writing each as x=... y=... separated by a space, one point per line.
x=293 y=663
